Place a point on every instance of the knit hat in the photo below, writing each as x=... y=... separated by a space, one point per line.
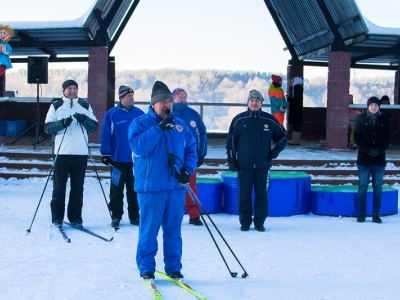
x=255 y=94
x=385 y=98
x=123 y=90
x=69 y=82
x=373 y=100
x=178 y=91
x=160 y=92
x=276 y=78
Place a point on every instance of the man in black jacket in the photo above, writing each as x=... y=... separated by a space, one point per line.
x=250 y=154
x=372 y=136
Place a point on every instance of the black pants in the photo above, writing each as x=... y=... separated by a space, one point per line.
x=116 y=204
x=248 y=178
x=73 y=166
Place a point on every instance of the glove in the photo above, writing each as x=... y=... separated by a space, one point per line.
x=184 y=177
x=232 y=167
x=200 y=161
x=80 y=117
x=66 y=122
x=282 y=109
x=373 y=153
x=273 y=153
x=106 y=160
x=167 y=123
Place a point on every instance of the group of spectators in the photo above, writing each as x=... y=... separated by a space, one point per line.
x=154 y=156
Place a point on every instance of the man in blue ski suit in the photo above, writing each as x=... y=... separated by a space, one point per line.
x=115 y=151
x=196 y=125
x=154 y=137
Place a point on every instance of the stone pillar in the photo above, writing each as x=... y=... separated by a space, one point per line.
x=337 y=112
x=396 y=86
x=97 y=86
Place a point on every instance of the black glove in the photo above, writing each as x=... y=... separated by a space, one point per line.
x=66 y=122
x=273 y=153
x=106 y=160
x=232 y=167
x=184 y=177
x=167 y=123
x=373 y=153
x=200 y=161
x=80 y=117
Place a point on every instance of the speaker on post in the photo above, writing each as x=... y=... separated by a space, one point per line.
x=38 y=69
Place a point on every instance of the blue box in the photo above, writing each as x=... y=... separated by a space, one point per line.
x=2 y=128
x=15 y=128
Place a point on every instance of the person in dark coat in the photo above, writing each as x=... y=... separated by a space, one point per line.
x=113 y=147
x=388 y=113
x=295 y=112
x=249 y=153
x=372 y=136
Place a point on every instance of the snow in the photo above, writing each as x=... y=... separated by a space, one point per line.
x=298 y=257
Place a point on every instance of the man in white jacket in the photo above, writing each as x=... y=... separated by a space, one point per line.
x=69 y=118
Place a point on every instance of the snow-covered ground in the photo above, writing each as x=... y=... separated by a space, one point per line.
x=298 y=257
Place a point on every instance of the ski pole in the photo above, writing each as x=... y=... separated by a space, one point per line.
x=97 y=174
x=48 y=177
x=196 y=200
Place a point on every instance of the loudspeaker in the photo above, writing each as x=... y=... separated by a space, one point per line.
x=37 y=69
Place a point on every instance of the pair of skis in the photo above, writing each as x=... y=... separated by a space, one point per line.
x=157 y=294
x=80 y=228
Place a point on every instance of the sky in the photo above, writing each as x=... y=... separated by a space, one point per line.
x=298 y=257
x=188 y=34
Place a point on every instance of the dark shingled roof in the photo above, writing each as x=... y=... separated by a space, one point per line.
x=101 y=26
x=312 y=29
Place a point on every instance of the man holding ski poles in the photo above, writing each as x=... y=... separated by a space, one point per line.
x=154 y=137
x=64 y=119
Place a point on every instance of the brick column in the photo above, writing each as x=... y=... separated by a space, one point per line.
x=97 y=86
x=337 y=112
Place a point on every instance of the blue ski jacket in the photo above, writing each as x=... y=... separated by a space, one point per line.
x=114 y=132
x=149 y=144
x=196 y=125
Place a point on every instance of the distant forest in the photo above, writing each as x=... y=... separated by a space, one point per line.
x=202 y=86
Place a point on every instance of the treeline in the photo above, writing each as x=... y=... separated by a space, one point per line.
x=202 y=86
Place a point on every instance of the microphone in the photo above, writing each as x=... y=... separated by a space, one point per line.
x=168 y=112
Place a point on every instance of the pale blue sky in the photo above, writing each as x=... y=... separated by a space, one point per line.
x=192 y=34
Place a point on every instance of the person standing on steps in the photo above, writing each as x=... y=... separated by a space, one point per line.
x=196 y=125
x=277 y=99
x=249 y=152
x=69 y=118
x=113 y=147
x=295 y=111
x=155 y=137
x=372 y=136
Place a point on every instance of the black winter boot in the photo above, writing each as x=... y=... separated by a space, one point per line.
x=361 y=218
x=376 y=219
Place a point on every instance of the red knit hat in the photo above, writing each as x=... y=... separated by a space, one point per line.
x=276 y=78
x=178 y=91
